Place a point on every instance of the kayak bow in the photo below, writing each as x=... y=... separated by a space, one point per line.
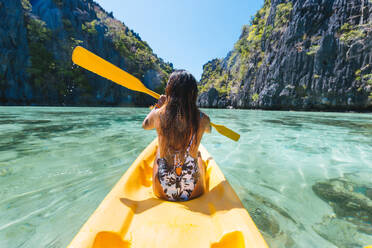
x=131 y=216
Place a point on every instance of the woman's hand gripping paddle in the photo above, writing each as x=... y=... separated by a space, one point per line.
x=93 y=63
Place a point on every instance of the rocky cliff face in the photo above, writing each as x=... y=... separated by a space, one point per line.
x=297 y=54
x=36 y=42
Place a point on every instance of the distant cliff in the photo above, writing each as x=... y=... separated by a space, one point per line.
x=36 y=42
x=297 y=54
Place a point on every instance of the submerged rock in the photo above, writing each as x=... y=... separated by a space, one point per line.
x=262 y=212
x=351 y=226
x=262 y=219
x=342 y=233
x=347 y=199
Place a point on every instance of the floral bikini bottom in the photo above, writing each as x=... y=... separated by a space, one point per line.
x=178 y=181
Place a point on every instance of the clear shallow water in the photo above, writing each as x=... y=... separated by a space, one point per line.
x=57 y=164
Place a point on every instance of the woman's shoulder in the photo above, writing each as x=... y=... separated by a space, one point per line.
x=204 y=117
x=205 y=122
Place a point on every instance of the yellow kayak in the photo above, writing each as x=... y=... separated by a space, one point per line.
x=131 y=216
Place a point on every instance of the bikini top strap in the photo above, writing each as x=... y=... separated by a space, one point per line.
x=190 y=144
x=192 y=138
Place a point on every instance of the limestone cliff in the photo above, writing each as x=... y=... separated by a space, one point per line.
x=297 y=54
x=36 y=41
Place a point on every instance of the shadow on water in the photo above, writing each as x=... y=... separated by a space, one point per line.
x=27 y=122
x=12 y=140
x=309 y=149
x=131 y=118
x=48 y=131
x=16 y=140
x=245 y=130
x=284 y=122
x=7 y=116
x=329 y=121
x=44 y=132
x=354 y=127
x=64 y=113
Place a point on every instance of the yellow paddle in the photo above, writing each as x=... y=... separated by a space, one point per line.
x=93 y=63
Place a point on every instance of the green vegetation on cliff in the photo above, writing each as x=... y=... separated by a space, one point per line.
x=282 y=14
x=26 y=5
x=90 y=27
x=313 y=50
x=350 y=33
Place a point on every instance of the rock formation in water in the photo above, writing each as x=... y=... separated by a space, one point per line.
x=297 y=54
x=351 y=225
x=36 y=41
x=263 y=212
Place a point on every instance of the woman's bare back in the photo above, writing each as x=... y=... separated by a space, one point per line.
x=179 y=172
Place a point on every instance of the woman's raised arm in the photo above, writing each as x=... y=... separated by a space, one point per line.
x=149 y=121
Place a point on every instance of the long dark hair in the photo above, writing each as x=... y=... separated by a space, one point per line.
x=181 y=116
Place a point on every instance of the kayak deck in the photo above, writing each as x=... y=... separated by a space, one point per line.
x=131 y=216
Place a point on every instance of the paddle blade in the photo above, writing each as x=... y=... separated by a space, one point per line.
x=226 y=132
x=93 y=63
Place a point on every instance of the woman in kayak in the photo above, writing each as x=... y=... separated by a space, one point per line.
x=179 y=172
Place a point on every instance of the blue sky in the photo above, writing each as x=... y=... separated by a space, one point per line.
x=187 y=33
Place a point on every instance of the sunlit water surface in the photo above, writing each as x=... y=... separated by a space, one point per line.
x=57 y=164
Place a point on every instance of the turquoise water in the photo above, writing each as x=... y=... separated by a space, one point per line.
x=57 y=164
